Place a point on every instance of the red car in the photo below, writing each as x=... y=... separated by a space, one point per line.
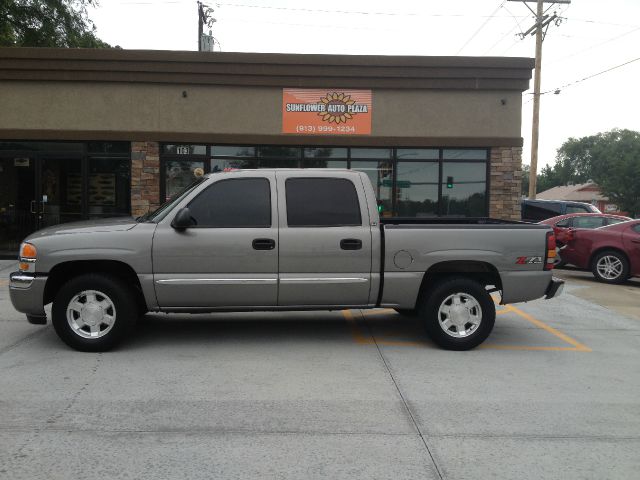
x=562 y=223
x=612 y=253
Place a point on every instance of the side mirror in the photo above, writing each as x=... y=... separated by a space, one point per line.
x=183 y=219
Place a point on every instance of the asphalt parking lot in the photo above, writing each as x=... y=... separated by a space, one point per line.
x=554 y=393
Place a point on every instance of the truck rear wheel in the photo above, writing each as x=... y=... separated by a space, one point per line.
x=93 y=312
x=459 y=314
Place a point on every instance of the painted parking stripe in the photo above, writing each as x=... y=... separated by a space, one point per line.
x=361 y=339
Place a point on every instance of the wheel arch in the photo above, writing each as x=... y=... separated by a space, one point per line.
x=64 y=271
x=482 y=272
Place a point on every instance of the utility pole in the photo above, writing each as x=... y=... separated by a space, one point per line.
x=204 y=18
x=200 y=22
x=535 y=128
x=542 y=23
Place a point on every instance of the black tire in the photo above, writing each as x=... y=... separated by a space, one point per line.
x=441 y=293
x=601 y=276
x=124 y=311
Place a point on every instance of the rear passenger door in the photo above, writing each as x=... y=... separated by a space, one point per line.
x=325 y=240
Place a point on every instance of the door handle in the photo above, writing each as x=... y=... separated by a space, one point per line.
x=264 y=244
x=351 y=244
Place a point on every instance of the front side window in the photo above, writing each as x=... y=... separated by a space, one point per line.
x=577 y=209
x=614 y=220
x=234 y=203
x=322 y=202
x=564 y=223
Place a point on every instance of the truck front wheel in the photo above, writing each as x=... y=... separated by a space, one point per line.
x=93 y=312
x=459 y=313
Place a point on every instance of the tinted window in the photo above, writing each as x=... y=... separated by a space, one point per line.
x=564 y=223
x=588 y=222
x=238 y=202
x=322 y=202
x=613 y=221
x=637 y=228
x=578 y=209
x=538 y=211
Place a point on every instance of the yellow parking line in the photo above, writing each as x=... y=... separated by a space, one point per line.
x=575 y=345
x=355 y=331
x=579 y=347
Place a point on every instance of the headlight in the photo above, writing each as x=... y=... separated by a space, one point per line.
x=28 y=254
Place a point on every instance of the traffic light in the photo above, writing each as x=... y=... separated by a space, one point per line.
x=449 y=182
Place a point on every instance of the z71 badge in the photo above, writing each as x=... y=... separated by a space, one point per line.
x=528 y=260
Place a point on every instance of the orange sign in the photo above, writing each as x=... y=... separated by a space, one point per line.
x=326 y=112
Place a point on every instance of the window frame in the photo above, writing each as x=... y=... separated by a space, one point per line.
x=214 y=184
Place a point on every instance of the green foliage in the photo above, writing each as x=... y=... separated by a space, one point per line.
x=47 y=23
x=611 y=159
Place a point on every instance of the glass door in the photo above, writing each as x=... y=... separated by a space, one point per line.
x=18 y=206
x=62 y=188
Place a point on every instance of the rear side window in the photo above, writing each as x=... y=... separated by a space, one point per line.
x=578 y=209
x=564 y=223
x=538 y=211
x=636 y=228
x=588 y=222
x=322 y=202
x=613 y=221
x=234 y=203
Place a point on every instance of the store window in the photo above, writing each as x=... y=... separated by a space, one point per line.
x=109 y=186
x=417 y=189
x=464 y=188
x=180 y=173
x=408 y=182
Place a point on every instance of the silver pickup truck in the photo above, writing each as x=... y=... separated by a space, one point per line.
x=279 y=240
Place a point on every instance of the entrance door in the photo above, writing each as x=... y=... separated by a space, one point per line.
x=18 y=206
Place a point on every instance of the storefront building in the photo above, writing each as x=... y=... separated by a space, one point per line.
x=97 y=133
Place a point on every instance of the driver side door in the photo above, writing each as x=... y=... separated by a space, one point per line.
x=229 y=258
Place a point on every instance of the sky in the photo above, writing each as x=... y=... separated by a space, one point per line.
x=593 y=36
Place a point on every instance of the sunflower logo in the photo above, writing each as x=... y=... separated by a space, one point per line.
x=337 y=108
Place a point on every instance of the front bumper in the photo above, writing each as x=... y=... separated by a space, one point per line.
x=555 y=288
x=27 y=293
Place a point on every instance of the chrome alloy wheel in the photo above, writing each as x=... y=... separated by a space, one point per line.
x=91 y=314
x=609 y=267
x=459 y=315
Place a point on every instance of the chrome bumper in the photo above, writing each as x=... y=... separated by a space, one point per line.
x=554 y=289
x=27 y=293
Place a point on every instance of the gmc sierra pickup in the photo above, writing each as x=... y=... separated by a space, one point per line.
x=279 y=240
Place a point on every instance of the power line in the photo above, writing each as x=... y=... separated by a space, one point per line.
x=557 y=90
x=588 y=77
x=481 y=27
x=596 y=45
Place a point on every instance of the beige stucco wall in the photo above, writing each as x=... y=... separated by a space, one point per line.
x=109 y=107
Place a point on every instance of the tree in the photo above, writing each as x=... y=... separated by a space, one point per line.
x=611 y=159
x=615 y=158
x=48 y=23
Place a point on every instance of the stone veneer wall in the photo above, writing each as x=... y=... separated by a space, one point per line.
x=506 y=181
x=145 y=177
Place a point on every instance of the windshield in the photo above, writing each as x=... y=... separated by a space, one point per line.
x=166 y=207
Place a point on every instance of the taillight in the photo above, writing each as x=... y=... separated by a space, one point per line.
x=551 y=251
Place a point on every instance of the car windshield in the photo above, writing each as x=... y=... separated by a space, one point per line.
x=166 y=207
